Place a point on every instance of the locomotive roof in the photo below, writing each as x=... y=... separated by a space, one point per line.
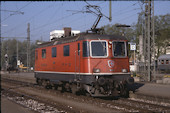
x=82 y=36
x=167 y=57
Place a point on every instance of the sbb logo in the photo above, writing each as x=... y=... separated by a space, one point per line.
x=111 y=63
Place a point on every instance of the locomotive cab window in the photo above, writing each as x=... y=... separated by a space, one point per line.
x=43 y=53
x=54 y=52
x=66 y=50
x=119 y=49
x=85 y=49
x=99 y=49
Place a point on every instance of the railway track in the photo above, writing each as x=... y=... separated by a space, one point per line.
x=61 y=101
x=31 y=102
x=110 y=105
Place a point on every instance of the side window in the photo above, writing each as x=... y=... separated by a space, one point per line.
x=36 y=54
x=162 y=61
x=66 y=50
x=119 y=49
x=78 y=48
x=167 y=61
x=85 y=49
x=54 y=52
x=43 y=53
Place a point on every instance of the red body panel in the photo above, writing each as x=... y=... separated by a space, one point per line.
x=77 y=63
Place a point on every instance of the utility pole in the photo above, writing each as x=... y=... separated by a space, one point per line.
x=110 y=10
x=28 y=47
x=152 y=39
x=0 y=49
x=17 y=53
x=149 y=38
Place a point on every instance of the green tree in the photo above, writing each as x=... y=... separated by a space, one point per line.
x=125 y=31
x=162 y=33
x=9 y=47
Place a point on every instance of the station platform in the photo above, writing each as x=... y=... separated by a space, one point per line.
x=153 y=89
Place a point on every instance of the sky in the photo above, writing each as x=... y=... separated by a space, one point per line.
x=47 y=16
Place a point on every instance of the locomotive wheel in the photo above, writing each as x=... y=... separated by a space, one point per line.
x=46 y=84
x=74 y=89
x=39 y=82
x=62 y=89
x=67 y=87
x=124 y=92
x=54 y=87
x=88 y=94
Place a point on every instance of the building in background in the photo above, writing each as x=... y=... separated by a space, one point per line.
x=67 y=31
x=168 y=49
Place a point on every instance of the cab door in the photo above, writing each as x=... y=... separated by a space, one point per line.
x=77 y=62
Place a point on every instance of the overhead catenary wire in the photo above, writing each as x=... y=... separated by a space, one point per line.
x=58 y=20
x=90 y=23
x=66 y=23
x=125 y=9
x=117 y=16
x=127 y=18
x=15 y=11
x=41 y=11
x=47 y=24
x=124 y=12
x=120 y=18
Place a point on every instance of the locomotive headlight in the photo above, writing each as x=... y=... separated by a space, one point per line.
x=124 y=70
x=96 y=70
x=110 y=42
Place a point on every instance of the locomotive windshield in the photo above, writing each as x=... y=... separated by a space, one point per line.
x=98 y=49
x=119 y=49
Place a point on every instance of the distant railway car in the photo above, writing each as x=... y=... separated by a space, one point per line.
x=164 y=63
x=96 y=64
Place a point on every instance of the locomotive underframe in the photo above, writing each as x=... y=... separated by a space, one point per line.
x=95 y=85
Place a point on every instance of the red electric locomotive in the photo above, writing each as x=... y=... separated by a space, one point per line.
x=96 y=64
